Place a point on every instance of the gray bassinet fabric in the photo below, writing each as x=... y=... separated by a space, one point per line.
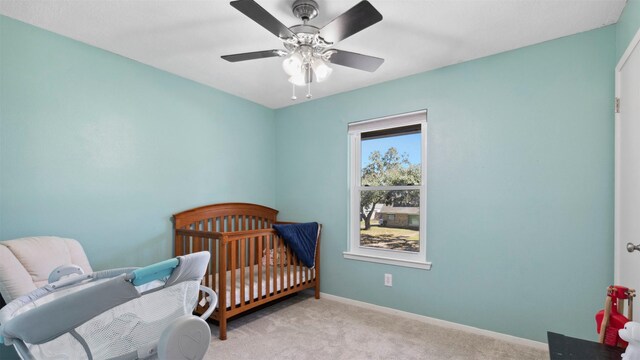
x=7 y=312
x=31 y=328
x=192 y=267
x=67 y=313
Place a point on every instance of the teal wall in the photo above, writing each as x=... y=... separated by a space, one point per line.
x=99 y=148
x=520 y=187
x=627 y=26
x=520 y=184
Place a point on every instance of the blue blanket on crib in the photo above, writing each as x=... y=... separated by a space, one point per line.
x=302 y=239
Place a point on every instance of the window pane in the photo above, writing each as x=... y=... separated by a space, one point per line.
x=390 y=219
x=391 y=158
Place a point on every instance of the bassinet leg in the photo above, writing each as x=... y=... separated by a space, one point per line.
x=317 y=291
x=223 y=328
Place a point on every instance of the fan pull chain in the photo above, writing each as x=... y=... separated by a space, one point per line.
x=293 y=96
x=309 y=90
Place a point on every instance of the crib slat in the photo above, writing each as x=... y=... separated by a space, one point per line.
x=288 y=268
x=251 y=269
x=274 y=244
x=267 y=267
x=260 y=240
x=208 y=277
x=281 y=264
x=274 y=278
x=222 y=297
x=256 y=255
x=295 y=270
x=187 y=243
x=276 y=251
x=214 y=264
x=243 y=259
x=197 y=244
x=233 y=285
x=275 y=264
x=206 y=247
x=302 y=274
x=301 y=270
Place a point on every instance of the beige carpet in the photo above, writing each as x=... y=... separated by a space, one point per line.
x=304 y=328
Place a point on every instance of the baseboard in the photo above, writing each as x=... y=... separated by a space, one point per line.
x=448 y=324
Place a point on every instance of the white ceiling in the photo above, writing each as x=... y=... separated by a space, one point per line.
x=187 y=37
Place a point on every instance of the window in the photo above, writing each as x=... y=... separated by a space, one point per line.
x=387 y=184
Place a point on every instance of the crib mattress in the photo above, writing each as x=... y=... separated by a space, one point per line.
x=256 y=281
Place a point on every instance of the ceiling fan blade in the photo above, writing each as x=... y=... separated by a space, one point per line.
x=258 y=14
x=358 y=18
x=253 y=55
x=355 y=60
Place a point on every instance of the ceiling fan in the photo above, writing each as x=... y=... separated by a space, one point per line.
x=308 y=49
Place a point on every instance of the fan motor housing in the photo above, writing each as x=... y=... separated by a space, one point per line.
x=305 y=9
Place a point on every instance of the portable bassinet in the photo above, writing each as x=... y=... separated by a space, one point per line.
x=130 y=313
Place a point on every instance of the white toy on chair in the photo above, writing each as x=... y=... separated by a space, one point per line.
x=631 y=334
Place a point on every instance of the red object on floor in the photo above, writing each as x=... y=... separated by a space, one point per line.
x=616 y=320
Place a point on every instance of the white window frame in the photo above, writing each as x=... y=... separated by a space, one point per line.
x=392 y=257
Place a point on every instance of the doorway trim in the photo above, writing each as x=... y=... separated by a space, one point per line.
x=616 y=209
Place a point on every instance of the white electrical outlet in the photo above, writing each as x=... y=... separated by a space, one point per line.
x=388 y=280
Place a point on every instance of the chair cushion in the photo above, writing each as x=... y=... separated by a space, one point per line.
x=25 y=264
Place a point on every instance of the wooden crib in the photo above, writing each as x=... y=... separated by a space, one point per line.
x=257 y=266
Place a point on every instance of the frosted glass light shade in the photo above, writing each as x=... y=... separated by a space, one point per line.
x=292 y=65
x=321 y=69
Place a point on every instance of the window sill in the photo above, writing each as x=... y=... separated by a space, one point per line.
x=387 y=260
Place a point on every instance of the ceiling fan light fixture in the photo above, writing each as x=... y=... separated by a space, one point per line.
x=321 y=69
x=308 y=49
x=298 y=79
x=304 y=77
x=292 y=65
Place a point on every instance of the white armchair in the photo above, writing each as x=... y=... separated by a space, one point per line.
x=25 y=263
